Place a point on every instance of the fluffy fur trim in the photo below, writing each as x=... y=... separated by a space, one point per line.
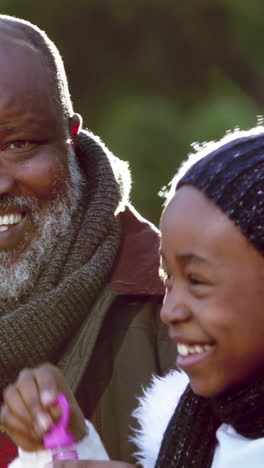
x=155 y=409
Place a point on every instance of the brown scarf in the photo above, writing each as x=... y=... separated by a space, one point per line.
x=38 y=329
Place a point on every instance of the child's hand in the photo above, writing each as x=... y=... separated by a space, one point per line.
x=28 y=410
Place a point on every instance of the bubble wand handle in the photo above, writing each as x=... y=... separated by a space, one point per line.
x=59 y=438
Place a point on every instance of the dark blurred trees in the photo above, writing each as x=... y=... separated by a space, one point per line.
x=151 y=76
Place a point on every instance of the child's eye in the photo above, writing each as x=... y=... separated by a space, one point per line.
x=195 y=280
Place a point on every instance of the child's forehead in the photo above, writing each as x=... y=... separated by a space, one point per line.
x=192 y=226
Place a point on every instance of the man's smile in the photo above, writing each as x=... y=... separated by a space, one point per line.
x=8 y=220
x=13 y=228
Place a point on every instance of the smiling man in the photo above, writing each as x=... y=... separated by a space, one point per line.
x=78 y=266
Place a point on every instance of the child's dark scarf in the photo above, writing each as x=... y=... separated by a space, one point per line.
x=190 y=438
x=37 y=329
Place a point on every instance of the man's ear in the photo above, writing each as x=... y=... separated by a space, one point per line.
x=75 y=125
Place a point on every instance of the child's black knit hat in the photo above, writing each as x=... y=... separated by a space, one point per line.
x=231 y=173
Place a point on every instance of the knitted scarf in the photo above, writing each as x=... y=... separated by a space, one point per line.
x=190 y=437
x=39 y=327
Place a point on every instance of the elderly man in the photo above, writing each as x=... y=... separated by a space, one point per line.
x=79 y=282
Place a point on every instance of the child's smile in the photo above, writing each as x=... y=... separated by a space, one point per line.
x=189 y=355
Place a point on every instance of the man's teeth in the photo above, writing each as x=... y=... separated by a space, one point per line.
x=185 y=350
x=9 y=219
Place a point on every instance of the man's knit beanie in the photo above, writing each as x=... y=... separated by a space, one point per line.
x=231 y=174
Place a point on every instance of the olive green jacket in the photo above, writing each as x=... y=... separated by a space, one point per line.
x=124 y=341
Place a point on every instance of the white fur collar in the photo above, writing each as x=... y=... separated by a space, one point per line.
x=154 y=412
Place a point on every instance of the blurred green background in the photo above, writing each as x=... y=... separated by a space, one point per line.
x=152 y=76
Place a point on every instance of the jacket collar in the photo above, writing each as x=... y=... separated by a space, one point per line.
x=137 y=264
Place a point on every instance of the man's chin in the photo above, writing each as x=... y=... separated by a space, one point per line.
x=19 y=269
x=15 y=280
x=12 y=257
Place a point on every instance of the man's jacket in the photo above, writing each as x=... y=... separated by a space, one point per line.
x=132 y=344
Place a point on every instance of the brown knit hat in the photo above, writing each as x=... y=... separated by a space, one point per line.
x=231 y=173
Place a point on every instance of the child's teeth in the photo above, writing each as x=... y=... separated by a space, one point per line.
x=185 y=350
x=198 y=349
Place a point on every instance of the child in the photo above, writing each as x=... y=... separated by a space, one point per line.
x=212 y=247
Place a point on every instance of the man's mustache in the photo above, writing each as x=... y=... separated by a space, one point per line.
x=8 y=204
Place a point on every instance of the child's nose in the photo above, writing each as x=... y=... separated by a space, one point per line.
x=174 y=308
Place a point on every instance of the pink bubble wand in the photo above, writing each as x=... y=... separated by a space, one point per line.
x=59 y=438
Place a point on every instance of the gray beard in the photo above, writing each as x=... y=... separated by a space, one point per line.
x=19 y=270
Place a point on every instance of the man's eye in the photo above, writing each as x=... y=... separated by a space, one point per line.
x=16 y=145
x=20 y=144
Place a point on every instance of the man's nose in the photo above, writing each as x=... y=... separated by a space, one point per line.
x=175 y=308
x=7 y=181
